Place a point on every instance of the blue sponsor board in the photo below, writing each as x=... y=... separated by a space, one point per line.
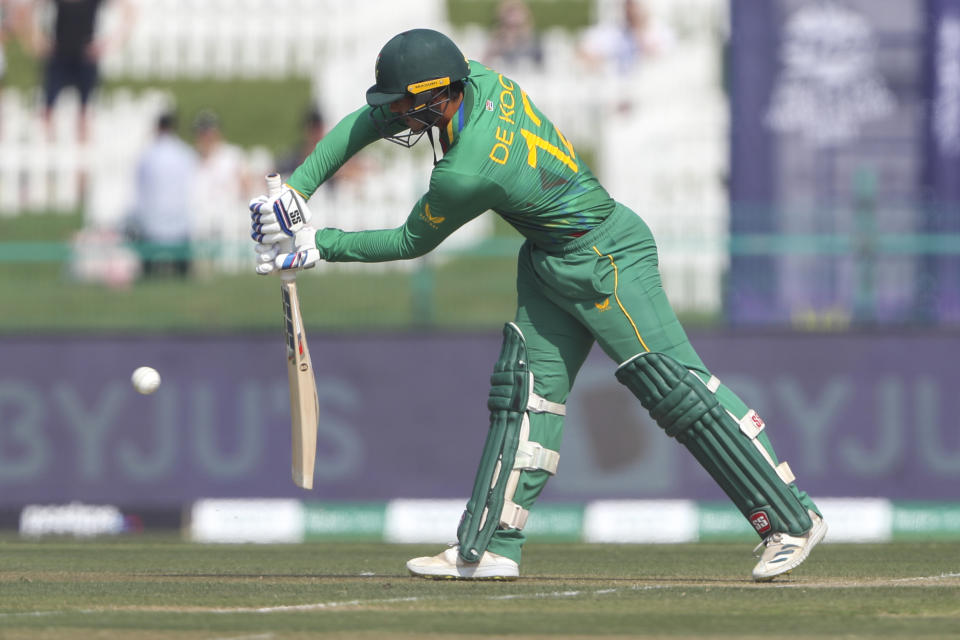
x=405 y=417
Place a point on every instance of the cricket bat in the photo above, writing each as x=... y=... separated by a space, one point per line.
x=304 y=405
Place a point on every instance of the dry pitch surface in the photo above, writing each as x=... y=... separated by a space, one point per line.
x=142 y=588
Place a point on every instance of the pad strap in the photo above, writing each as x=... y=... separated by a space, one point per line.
x=533 y=455
x=751 y=425
x=539 y=404
x=513 y=515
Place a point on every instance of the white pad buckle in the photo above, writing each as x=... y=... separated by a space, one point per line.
x=539 y=404
x=713 y=384
x=533 y=455
x=785 y=472
x=513 y=515
x=751 y=425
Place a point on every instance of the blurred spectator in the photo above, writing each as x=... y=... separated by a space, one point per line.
x=72 y=48
x=513 y=41
x=221 y=194
x=620 y=47
x=163 y=215
x=314 y=129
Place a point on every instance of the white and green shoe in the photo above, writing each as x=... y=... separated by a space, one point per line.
x=783 y=552
x=449 y=565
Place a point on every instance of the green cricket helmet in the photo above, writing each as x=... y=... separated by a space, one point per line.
x=421 y=63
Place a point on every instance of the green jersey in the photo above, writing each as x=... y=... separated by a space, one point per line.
x=500 y=153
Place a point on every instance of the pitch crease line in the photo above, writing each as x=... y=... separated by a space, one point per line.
x=942 y=576
x=514 y=596
x=318 y=606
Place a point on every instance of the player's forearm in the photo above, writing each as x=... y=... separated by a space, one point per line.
x=383 y=245
x=345 y=139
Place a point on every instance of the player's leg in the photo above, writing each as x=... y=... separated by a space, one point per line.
x=729 y=449
x=542 y=351
x=638 y=328
x=556 y=348
x=54 y=81
x=87 y=79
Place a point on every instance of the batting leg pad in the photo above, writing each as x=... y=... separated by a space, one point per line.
x=687 y=409
x=508 y=450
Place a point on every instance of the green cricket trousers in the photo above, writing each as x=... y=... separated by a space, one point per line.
x=602 y=287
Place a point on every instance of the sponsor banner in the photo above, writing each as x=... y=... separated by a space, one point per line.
x=721 y=521
x=74 y=519
x=926 y=521
x=858 y=519
x=835 y=219
x=556 y=523
x=350 y=521
x=850 y=520
x=404 y=417
x=423 y=520
x=942 y=111
x=417 y=521
x=80 y=520
x=247 y=520
x=622 y=521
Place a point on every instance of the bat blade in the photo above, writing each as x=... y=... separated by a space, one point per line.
x=304 y=404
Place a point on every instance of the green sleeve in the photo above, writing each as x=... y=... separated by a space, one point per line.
x=452 y=201
x=345 y=139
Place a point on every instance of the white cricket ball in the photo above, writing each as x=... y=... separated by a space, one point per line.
x=145 y=380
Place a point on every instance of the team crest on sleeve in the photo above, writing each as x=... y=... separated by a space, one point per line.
x=429 y=218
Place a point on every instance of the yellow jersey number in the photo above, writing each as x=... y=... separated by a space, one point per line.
x=535 y=142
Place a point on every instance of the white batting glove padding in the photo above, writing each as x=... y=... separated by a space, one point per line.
x=266 y=254
x=273 y=220
x=289 y=254
x=303 y=259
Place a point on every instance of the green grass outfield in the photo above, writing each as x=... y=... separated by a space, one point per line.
x=144 y=587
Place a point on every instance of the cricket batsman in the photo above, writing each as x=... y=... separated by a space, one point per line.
x=586 y=273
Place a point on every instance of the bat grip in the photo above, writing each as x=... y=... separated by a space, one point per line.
x=274 y=186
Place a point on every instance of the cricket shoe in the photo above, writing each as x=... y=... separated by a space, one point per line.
x=450 y=566
x=782 y=552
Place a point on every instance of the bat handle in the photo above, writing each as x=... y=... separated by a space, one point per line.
x=274 y=186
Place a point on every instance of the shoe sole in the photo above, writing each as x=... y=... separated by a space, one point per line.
x=814 y=541
x=427 y=576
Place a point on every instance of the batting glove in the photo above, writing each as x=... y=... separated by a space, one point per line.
x=302 y=259
x=266 y=254
x=280 y=218
x=288 y=256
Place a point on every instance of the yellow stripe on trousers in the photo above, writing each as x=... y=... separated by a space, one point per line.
x=616 y=283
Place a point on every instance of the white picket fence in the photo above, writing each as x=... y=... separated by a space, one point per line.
x=666 y=157
x=258 y=38
x=44 y=170
x=41 y=168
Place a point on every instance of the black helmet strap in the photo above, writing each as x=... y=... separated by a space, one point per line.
x=433 y=145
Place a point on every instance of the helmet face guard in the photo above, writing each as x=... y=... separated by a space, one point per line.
x=425 y=112
x=423 y=66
